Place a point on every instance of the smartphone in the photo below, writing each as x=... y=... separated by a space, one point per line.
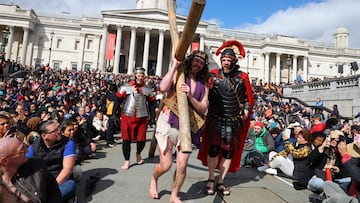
x=328 y=138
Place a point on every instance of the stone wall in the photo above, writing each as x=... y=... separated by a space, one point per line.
x=343 y=91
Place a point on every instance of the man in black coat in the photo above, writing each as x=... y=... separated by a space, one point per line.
x=24 y=179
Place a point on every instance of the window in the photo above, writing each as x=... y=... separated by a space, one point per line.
x=89 y=44
x=87 y=66
x=37 y=63
x=77 y=44
x=56 y=65
x=74 y=66
x=58 y=43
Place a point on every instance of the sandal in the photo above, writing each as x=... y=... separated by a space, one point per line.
x=224 y=191
x=210 y=190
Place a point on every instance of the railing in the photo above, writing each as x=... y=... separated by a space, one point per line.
x=305 y=104
x=326 y=84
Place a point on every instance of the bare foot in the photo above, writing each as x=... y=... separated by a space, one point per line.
x=175 y=199
x=139 y=160
x=126 y=165
x=153 y=189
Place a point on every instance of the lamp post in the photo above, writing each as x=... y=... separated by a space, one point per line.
x=52 y=34
x=6 y=34
x=247 y=68
x=288 y=62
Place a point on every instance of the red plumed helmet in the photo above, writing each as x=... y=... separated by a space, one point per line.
x=232 y=44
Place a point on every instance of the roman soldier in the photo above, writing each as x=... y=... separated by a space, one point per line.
x=135 y=115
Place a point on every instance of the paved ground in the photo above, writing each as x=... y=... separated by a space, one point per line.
x=116 y=185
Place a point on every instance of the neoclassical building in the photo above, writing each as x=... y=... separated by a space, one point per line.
x=125 y=39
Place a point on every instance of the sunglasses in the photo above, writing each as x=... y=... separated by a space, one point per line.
x=336 y=139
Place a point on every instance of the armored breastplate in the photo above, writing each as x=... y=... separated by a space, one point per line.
x=226 y=103
x=227 y=97
x=136 y=102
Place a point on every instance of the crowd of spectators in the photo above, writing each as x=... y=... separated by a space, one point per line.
x=281 y=132
x=304 y=145
x=60 y=115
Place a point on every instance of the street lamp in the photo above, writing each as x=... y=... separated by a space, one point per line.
x=52 y=34
x=288 y=62
x=6 y=34
x=247 y=68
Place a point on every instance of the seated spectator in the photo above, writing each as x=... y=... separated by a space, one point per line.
x=259 y=144
x=317 y=125
x=60 y=154
x=274 y=122
x=88 y=111
x=326 y=157
x=354 y=148
x=84 y=147
x=21 y=177
x=348 y=133
x=292 y=159
x=318 y=113
x=33 y=125
x=297 y=128
x=4 y=125
x=278 y=142
x=100 y=122
x=317 y=139
x=351 y=165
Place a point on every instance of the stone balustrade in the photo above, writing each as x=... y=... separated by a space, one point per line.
x=343 y=91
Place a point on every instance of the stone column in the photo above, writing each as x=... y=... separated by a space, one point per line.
x=294 y=67
x=305 y=67
x=31 y=49
x=82 y=50
x=98 y=49
x=160 y=53
x=132 y=51
x=117 y=49
x=202 y=42
x=103 y=47
x=267 y=69
x=10 y=42
x=24 y=45
x=146 y=50
x=277 y=74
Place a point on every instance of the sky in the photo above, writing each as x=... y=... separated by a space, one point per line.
x=315 y=20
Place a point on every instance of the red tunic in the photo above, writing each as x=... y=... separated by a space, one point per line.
x=132 y=128
x=235 y=163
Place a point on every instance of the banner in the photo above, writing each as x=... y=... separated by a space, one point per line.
x=195 y=46
x=110 y=46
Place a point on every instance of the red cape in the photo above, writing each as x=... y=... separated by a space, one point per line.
x=235 y=163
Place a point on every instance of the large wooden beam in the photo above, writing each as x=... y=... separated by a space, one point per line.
x=182 y=45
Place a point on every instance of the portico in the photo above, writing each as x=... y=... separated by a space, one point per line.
x=141 y=43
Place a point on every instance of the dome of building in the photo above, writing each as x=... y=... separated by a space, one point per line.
x=151 y=4
x=341 y=30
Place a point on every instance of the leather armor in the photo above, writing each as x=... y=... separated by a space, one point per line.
x=226 y=103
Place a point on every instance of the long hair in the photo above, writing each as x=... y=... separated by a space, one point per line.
x=203 y=75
